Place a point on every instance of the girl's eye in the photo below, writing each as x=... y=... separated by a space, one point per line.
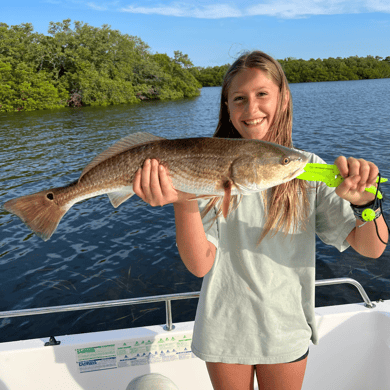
x=242 y=98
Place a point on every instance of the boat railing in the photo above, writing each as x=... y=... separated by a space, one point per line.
x=160 y=298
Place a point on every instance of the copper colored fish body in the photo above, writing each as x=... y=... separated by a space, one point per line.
x=208 y=167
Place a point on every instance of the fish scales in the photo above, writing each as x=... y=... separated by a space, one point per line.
x=202 y=166
x=204 y=161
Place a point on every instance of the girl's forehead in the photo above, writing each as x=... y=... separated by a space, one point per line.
x=251 y=77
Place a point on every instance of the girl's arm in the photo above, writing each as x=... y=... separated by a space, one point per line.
x=197 y=253
x=364 y=239
x=153 y=185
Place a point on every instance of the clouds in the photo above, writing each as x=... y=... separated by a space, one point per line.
x=201 y=9
x=215 y=11
x=97 y=7
x=100 y=5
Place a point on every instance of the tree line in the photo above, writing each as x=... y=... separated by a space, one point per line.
x=82 y=65
x=302 y=71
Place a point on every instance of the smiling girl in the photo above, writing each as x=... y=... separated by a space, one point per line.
x=256 y=308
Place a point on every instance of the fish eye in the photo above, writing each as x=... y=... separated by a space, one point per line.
x=285 y=160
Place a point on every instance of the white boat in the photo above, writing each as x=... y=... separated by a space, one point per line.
x=353 y=352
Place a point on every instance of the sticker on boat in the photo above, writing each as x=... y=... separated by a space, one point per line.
x=135 y=352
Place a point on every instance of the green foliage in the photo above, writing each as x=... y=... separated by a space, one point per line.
x=21 y=88
x=210 y=76
x=183 y=59
x=178 y=81
x=335 y=69
x=301 y=71
x=85 y=65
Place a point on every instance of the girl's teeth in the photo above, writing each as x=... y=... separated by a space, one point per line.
x=255 y=122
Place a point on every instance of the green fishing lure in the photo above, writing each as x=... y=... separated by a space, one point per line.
x=330 y=175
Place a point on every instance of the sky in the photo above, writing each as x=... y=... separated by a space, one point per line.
x=214 y=33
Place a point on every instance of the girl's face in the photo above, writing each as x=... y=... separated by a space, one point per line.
x=252 y=103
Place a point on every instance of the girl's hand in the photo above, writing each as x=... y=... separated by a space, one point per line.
x=358 y=174
x=154 y=186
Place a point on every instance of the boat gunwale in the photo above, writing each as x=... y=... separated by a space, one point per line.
x=162 y=298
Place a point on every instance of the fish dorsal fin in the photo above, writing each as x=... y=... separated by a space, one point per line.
x=121 y=146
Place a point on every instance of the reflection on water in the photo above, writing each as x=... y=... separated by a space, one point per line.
x=101 y=253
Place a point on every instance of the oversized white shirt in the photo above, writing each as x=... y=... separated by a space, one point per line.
x=257 y=302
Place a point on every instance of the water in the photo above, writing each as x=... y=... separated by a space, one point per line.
x=101 y=253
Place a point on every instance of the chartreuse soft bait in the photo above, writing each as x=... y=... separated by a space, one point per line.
x=330 y=175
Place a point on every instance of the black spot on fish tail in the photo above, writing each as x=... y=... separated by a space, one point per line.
x=38 y=211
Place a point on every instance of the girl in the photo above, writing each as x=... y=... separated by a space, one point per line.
x=256 y=309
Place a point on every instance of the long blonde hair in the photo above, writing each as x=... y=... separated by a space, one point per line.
x=287 y=205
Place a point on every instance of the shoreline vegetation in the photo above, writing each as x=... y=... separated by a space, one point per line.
x=98 y=66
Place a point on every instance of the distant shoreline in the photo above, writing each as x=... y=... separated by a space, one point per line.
x=306 y=71
x=96 y=66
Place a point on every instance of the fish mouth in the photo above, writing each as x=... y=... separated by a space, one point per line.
x=294 y=174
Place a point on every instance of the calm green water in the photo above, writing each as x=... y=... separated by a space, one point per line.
x=101 y=253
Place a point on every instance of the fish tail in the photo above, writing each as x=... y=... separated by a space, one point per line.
x=38 y=211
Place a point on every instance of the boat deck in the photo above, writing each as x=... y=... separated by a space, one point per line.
x=353 y=353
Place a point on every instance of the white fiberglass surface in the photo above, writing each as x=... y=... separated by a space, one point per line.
x=353 y=353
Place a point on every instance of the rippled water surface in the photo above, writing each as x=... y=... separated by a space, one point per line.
x=101 y=253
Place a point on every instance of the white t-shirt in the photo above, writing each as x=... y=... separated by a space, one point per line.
x=257 y=302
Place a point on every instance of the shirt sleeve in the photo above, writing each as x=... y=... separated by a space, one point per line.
x=334 y=216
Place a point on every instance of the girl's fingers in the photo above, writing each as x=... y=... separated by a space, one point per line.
x=166 y=183
x=358 y=175
x=155 y=185
x=366 y=170
x=342 y=165
x=368 y=173
x=137 y=185
x=347 y=187
x=353 y=166
x=374 y=172
x=145 y=180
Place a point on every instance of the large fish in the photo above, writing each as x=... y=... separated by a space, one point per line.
x=204 y=166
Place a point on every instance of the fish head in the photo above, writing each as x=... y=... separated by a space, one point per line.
x=266 y=165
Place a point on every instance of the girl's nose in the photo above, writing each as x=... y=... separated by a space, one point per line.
x=251 y=106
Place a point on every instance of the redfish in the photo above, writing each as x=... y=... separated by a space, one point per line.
x=207 y=167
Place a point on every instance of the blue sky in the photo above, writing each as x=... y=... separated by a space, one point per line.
x=215 y=32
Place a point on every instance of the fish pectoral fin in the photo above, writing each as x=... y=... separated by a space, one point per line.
x=246 y=189
x=204 y=197
x=118 y=197
x=226 y=198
